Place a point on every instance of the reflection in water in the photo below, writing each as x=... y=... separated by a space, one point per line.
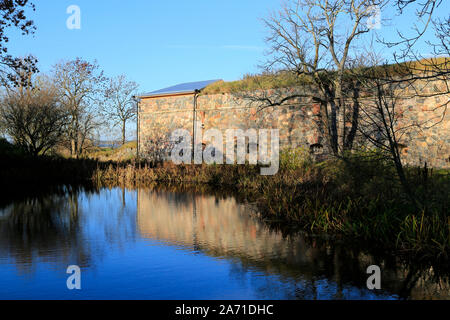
x=160 y=244
x=221 y=227
x=66 y=226
x=42 y=228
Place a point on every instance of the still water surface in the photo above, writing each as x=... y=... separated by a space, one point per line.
x=149 y=244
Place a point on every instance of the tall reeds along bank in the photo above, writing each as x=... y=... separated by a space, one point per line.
x=358 y=198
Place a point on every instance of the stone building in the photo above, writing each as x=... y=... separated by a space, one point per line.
x=163 y=111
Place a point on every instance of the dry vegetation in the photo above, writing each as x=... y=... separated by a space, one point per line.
x=286 y=79
x=257 y=82
x=123 y=153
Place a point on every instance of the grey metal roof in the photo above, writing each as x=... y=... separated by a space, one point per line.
x=188 y=87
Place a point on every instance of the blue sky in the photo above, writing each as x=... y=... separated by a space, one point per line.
x=159 y=43
x=156 y=43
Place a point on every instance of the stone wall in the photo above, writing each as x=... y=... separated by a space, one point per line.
x=160 y=116
x=427 y=123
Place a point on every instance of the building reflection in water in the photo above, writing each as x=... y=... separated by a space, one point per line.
x=220 y=227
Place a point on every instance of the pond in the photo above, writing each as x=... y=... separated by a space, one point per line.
x=157 y=244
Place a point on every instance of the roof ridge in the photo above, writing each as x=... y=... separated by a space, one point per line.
x=186 y=87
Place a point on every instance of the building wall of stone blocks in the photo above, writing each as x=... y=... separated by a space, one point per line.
x=428 y=137
x=160 y=116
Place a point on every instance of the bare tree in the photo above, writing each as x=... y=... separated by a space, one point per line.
x=380 y=117
x=80 y=85
x=387 y=89
x=437 y=67
x=13 y=15
x=424 y=11
x=34 y=118
x=424 y=70
x=118 y=106
x=315 y=40
x=435 y=64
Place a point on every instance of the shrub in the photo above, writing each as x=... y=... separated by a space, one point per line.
x=292 y=159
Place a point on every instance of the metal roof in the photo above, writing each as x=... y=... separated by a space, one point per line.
x=189 y=87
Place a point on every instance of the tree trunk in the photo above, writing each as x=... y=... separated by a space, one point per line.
x=72 y=147
x=355 y=117
x=123 y=132
x=334 y=129
x=332 y=119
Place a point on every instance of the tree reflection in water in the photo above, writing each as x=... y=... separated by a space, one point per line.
x=63 y=225
x=41 y=224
